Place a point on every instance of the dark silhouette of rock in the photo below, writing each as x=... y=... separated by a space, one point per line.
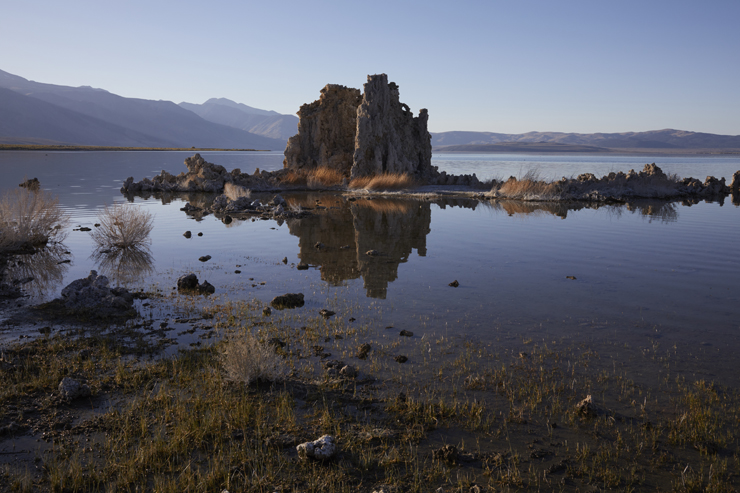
x=406 y=333
x=189 y=283
x=454 y=283
x=363 y=351
x=91 y=297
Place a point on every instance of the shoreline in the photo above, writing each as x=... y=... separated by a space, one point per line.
x=14 y=147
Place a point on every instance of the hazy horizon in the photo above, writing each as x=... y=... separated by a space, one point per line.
x=477 y=66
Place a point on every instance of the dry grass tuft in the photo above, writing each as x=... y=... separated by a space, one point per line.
x=529 y=187
x=248 y=360
x=30 y=217
x=123 y=226
x=316 y=178
x=234 y=192
x=385 y=181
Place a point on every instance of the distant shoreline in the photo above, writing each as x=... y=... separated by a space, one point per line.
x=20 y=147
x=547 y=148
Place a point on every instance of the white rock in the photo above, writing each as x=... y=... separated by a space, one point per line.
x=322 y=449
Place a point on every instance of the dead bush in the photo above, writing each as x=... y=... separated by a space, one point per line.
x=30 y=218
x=245 y=359
x=123 y=226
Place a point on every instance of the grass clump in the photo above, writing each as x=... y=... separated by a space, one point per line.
x=529 y=187
x=320 y=177
x=245 y=359
x=123 y=226
x=385 y=181
x=30 y=218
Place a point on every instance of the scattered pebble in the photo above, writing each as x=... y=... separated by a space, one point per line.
x=205 y=258
x=454 y=283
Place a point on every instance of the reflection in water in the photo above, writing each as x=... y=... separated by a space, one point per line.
x=124 y=265
x=349 y=229
x=39 y=272
x=339 y=238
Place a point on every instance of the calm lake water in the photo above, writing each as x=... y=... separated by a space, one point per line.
x=645 y=273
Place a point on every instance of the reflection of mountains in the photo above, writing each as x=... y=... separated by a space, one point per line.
x=391 y=227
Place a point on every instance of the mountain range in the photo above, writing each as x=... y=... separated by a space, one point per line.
x=38 y=113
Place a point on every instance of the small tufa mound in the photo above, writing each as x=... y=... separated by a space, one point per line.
x=322 y=449
x=92 y=297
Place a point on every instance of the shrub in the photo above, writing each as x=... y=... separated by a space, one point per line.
x=30 y=218
x=529 y=187
x=234 y=192
x=246 y=359
x=316 y=178
x=123 y=226
x=385 y=181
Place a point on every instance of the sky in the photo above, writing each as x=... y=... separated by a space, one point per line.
x=498 y=66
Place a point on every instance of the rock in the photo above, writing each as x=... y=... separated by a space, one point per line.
x=406 y=333
x=735 y=183
x=31 y=184
x=326 y=313
x=279 y=201
x=92 y=297
x=447 y=453
x=289 y=300
x=322 y=449
x=363 y=351
x=302 y=266
x=401 y=358
x=70 y=389
x=454 y=283
x=285 y=260
x=200 y=234
x=348 y=372
x=319 y=245
x=267 y=311
x=189 y=208
x=205 y=258
x=373 y=253
x=187 y=234
x=586 y=407
x=189 y=283
x=572 y=278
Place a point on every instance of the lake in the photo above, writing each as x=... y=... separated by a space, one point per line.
x=637 y=275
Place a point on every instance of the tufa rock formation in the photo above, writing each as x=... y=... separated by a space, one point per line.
x=326 y=131
x=362 y=135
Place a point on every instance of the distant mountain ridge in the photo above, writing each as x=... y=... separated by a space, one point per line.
x=87 y=116
x=237 y=115
x=654 y=139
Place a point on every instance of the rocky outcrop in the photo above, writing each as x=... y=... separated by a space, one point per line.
x=70 y=389
x=326 y=131
x=201 y=176
x=91 y=298
x=650 y=183
x=362 y=135
x=322 y=449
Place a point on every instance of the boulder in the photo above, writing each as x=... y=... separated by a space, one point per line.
x=322 y=449
x=189 y=283
x=70 y=389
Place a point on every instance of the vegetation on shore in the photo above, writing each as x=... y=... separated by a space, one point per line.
x=456 y=415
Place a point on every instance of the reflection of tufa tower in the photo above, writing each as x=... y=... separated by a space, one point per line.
x=391 y=227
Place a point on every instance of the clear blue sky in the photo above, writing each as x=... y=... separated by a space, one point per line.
x=501 y=66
